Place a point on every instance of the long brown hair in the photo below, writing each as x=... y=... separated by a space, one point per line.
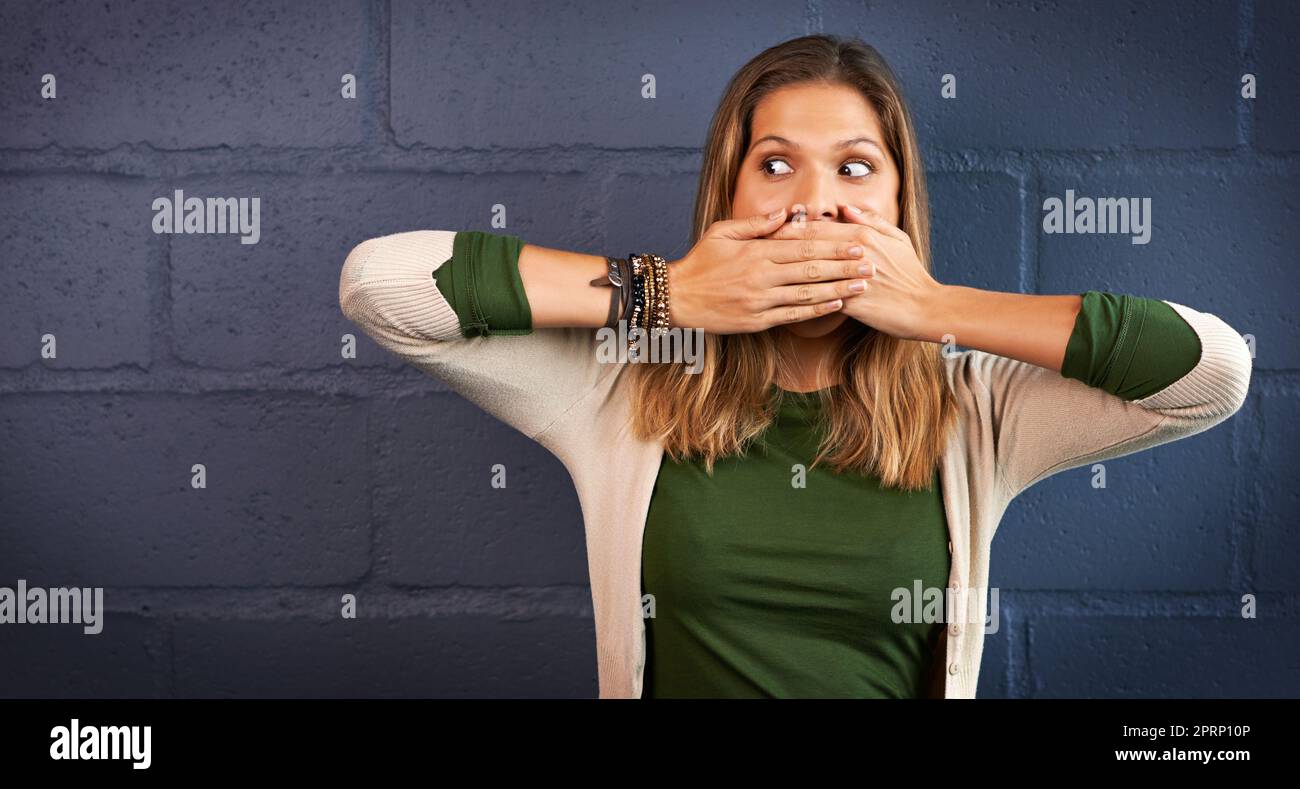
x=892 y=411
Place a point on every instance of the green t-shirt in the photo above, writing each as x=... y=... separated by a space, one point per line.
x=774 y=579
x=768 y=585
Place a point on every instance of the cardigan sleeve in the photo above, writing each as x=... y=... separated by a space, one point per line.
x=391 y=287
x=1137 y=373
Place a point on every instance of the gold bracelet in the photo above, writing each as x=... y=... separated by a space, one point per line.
x=660 y=313
x=651 y=294
x=665 y=308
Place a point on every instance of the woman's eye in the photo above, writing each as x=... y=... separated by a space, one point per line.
x=764 y=165
x=863 y=168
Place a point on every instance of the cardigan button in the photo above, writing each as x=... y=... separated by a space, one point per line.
x=952 y=668
x=950 y=546
x=954 y=629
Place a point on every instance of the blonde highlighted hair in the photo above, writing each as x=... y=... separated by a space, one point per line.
x=891 y=414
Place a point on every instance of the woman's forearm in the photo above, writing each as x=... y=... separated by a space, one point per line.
x=558 y=287
x=1029 y=328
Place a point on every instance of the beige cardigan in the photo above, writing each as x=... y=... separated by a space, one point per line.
x=1018 y=423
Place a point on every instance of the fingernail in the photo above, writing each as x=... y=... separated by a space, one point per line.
x=855 y=251
x=776 y=213
x=855 y=209
x=857 y=286
x=864 y=269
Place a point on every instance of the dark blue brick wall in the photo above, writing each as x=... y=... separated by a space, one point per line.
x=329 y=476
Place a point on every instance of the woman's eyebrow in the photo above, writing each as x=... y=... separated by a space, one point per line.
x=839 y=146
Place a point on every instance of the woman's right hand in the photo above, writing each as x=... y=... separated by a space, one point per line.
x=734 y=281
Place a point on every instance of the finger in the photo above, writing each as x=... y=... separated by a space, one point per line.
x=839 y=230
x=794 y=314
x=798 y=250
x=754 y=226
x=818 y=270
x=875 y=221
x=815 y=293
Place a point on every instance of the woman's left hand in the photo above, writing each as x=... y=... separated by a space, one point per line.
x=899 y=292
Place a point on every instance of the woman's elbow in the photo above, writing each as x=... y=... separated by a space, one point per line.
x=1241 y=367
x=387 y=287
x=352 y=277
x=1223 y=382
x=1217 y=387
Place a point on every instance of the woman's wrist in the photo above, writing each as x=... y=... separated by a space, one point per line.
x=934 y=306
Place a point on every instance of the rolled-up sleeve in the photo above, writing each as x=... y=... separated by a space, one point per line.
x=481 y=282
x=1129 y=346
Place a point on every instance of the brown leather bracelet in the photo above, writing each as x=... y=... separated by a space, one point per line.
x=614 y=279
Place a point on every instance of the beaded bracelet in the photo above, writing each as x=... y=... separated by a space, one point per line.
x=649 y=309
x=638 y=297
x=660 y=312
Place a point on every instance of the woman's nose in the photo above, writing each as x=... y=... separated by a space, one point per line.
x=814 y=211
x=818 y=199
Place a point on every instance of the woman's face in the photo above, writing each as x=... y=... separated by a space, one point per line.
x=807 y=168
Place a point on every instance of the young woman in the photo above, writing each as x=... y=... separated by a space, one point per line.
x=759 y=526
